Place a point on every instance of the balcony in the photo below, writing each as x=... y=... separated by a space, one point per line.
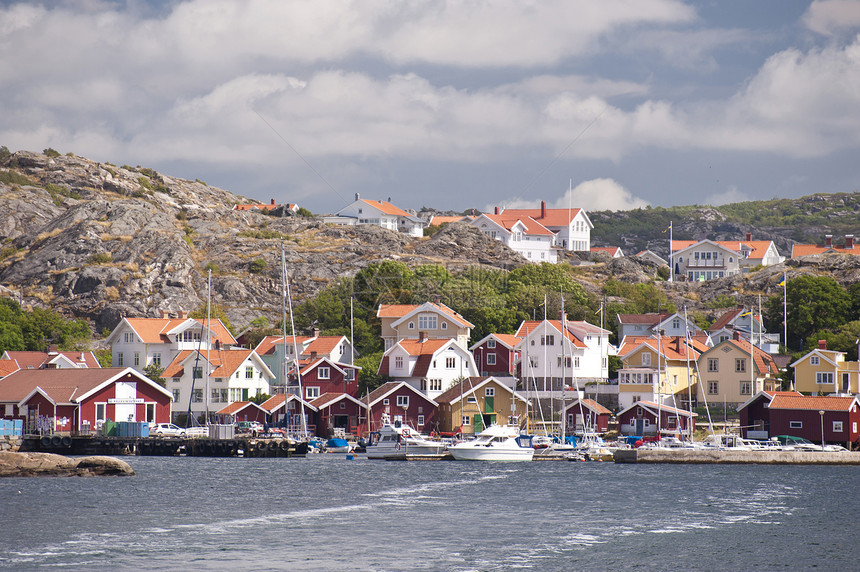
x=719 y=263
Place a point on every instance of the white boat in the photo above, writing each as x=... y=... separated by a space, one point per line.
x=495 y=443
x=396 y=440
x=725 y=441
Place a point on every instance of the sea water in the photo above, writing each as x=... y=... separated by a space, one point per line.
x=325 y=512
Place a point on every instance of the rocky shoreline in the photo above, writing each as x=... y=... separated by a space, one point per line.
x=51 y=465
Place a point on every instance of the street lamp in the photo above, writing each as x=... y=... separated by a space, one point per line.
x=821 y=413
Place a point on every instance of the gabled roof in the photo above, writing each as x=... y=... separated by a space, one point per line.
x=224 y=362
x=277 y=402
x=330 y=398
x=827 y=355
x=390 y=387
x=267 y=345
x=155 y=330
x=755 y=248
x=237 y=406
x=590 y=404
x=768 y=395
x=644 y=319
x=429 y=307
x=309 y=365
x=554 y=217
x=507 y=340
x=681 y=246
x=423 y=351
x=814 y=402
x=386 y=207
x=509 y=222
x=653 y=408
x=614 y=251
x=528 y=327
x=672 y=347
x=807 y=249
x=8 y=366
x=471 y=385
x=440 y=220
x=35 y=360
x=65 y=386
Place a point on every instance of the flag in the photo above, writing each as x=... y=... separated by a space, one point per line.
x=783 y=280
x=746 y=314
x=668 y=228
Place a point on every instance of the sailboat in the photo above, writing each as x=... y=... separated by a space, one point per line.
x=301 y=439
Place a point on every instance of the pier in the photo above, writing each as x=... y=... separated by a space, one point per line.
x=163 y=447
x=718 y=456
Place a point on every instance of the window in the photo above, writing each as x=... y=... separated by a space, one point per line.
x=198 y=372
x=566 y=361
x=216 y=396
x=740 y=365
x=576 y=361
x=713 y=364
x=547 y=340
x=676 y=323
x=490 y=392
x=398 y=362
x=824 y=377
x=128 y=337
x=450 y=362
x=411 y=325
x=385 y=401
x=324 y=373
x=444 y=325
x=672 y=421
x=435 y=385
x=814 y=360
x=249 y=372
x=491 y=359
x=713 y=388
x=471 y=399
x=343 y=404
x=197 y=396
x=533 y=362
x=100 y=412
x=236 y=394
x=745 y=388
x=176 y=395
x=119 y=359
x=427 y=322
x=420 y=420
x=795 y=424
x=646 y=359
x=466 y=421
x=491 y=344
x=837 y=426
x=156 y=358
x=312 y=392
x=402 y=401
x=136 y=358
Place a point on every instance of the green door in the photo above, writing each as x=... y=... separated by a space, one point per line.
x=488 y=405
x=244 y=395
x=479 y=423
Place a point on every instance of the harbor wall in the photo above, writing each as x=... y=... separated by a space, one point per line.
x=718 y=456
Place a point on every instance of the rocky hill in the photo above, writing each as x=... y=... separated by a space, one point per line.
x=98 y=241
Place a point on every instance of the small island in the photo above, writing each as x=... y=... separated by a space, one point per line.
x=14 y=464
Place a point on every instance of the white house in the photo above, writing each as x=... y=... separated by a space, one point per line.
x=377 y=213
x=552 y=354
x=571 y=227
x=210 y=379
x=708 y=259
x=522 y=234
x=649 y=324
x=272 y=350
x=430 y=366
x=139 y=342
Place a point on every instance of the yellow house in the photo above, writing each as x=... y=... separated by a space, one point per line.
x=726 y=377
x=657 y=368
x=428 y=321
x=477 y=402
x=826 y=371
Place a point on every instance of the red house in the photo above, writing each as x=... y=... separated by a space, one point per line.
x=323 y=375
x=640 y=418
x=832 y=418
x=401 y=401
x=286 y=411
x=495 y=355
x=338 y=411
x=50 y=400
x=242 y=411
x=586 y=415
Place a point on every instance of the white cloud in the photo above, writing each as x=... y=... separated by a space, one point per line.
x=594 y=195
x=730 y=195
x=828 y=17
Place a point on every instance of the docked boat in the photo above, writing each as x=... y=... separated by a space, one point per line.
x=337 y=445
x=397 y=440
x=495 y=443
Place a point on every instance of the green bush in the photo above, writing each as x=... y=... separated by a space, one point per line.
x=101 y=258
x=257 y=266
x=51 y=152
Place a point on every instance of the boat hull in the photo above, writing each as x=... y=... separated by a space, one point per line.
x=481 y=453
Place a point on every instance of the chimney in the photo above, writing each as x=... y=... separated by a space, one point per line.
x=316 y=332
x=736 y=335
x=52 y=350
x=422 y=337
x=543 y=209
x=822 y=344
x=163 y=314
x=828 y=240
x=357 y=196
x=749 y=236
x=437 y=298
x=182 y=314
x=849 y=242
x=313 y=356
x=273 y=202
x=496 y=210
x=217 y=345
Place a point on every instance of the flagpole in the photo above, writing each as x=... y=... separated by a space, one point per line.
x=671 y=262
x=785 y=309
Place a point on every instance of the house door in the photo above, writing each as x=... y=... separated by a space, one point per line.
x=341 y=421
x=479 y=423
x=125 y=408
x=845 y=383
x=640 y=426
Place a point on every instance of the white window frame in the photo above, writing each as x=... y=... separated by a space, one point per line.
x=403 y=401
x=491 y=359
x=312 y=392
x=813 y=360
x=491 y=344
x=490 y=392
x=824 y=377
x=795 y=424
x=838 y=427
x=323 y=372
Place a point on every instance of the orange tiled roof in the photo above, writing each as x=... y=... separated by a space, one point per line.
x=507 y=222
x=763 y=360
x=35 y=359
x=554 y=217
x=8 y=366
x=508 y=339
x=154 y=330
x=591 y=404
x=613 y=250
x=812 y=402
x=386 y=207
x=439 y=220
x=224 y=362
x=807 y=249
x=529 y=326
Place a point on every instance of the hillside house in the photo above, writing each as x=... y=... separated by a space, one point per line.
x=401 y=402
x=648 y=419
x=262 y=207
x=651 y=256
x=741 y=322
x=140 y=342
x=475 y=403
x=823 y=371
x=520 y=233
x=496 y=354
x=279 y=356
x=378 y=213
x=613 y=251
x=707 y=259
x=429 y=321
x=324 y=376
x=827 y=248
x=207 y=380
x=644 y=325
x=430 y=366
x=571 y=227
x=658 y=369
x=51 y=359
x=726 y=377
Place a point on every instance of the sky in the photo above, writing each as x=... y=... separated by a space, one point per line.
x=598 y=104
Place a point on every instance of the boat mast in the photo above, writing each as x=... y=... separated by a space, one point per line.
x=688 y=342
x=208 y=342
x=286 y=279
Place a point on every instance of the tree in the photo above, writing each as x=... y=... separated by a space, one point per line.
x=217 y=313
x=814 y=303
x=260 y=399
x=153 y=371
x=368 y=379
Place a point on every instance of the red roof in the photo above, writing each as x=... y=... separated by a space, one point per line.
x=8 y=366
x=529 y=327
x=554 y=217
x=225 y=362
x=386 y=207
x=154 y=330
x=35 y=360
x=812 y=402
x=61 y=385
x=508 y=222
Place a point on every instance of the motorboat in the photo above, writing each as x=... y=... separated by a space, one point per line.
x=495 y=443
x=337 y=445
x=397 y=440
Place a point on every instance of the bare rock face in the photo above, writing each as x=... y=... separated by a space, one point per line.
x=51 y=465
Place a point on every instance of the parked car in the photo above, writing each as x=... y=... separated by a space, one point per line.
x=252 y=427
x=166 y=430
